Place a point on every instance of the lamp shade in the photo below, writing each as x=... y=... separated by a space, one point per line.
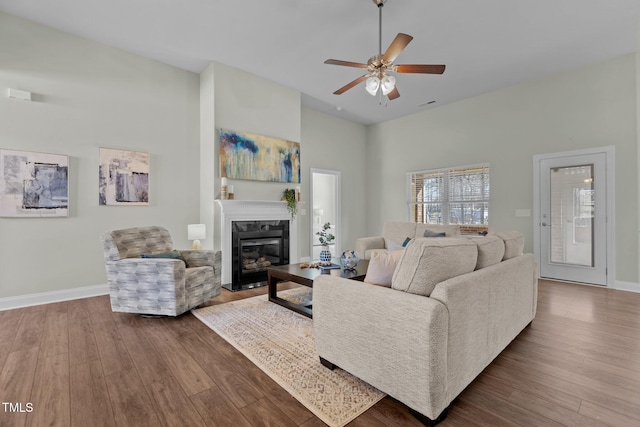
x=196 y=231
x=387 y=84
x=372 y=84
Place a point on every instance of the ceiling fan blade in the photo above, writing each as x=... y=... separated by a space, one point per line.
x=393 y=94
x=419 y=68
x=348 y=86
x=345 y=63
x=396 y=47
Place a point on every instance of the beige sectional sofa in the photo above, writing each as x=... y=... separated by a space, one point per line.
x=453 y=305
x=394 y=235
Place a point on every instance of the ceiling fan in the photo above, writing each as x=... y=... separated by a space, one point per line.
x=380 y=66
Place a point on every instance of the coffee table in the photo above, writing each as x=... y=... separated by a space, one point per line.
x=306 y=276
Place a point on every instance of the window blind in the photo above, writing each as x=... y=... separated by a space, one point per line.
x=450 y=196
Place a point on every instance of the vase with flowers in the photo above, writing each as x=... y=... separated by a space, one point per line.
x=325 y=238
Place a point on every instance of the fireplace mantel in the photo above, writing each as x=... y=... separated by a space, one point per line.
x=243 y=205
x=251 y=210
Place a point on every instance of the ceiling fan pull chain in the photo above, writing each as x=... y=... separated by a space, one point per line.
x=381 y=99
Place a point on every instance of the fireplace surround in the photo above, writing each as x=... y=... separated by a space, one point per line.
x=256 y=245
x=252 y=211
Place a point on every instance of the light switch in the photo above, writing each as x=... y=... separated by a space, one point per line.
x=19 y=94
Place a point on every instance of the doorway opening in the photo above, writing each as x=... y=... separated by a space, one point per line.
x=325 y=204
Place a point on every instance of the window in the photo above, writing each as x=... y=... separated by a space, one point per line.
x=450 y=196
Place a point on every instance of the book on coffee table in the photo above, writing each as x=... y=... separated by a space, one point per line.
x=328 y=267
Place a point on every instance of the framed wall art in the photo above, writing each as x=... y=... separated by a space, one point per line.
x=123 y=178
x=33 y=184
x=249 y=156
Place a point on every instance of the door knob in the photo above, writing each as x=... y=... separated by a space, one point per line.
x=544 y=224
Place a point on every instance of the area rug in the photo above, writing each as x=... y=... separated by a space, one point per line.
x=280 y=342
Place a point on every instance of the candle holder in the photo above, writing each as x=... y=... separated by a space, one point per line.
x=223 y=189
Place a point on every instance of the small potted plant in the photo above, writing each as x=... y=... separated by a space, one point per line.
x=325 y=238
x=290 y=197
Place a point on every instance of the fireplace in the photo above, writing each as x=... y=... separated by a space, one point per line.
x=256 y=245
x=243 y=216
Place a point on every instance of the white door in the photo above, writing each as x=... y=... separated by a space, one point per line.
x=572 y=218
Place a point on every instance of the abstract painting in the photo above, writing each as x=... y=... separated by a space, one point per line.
x=123 y=177
x=33 y=184
x=260 y=158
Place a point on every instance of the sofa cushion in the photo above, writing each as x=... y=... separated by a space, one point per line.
x=490 y=250
x=429 y=261
x=513 y=244
x=381 y=267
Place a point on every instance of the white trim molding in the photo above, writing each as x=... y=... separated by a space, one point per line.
x=627 y=286
x=337 y=222
x=29 y=300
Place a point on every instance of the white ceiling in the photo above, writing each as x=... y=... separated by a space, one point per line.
x=485 y=44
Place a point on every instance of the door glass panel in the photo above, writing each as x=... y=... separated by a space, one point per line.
x=571 y=215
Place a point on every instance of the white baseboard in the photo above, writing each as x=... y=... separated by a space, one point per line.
x=627 y=286
x=29 y=300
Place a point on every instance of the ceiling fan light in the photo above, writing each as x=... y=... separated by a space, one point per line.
x=387 y=84
x=372 y=84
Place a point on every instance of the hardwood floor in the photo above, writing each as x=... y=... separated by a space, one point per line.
x=80 y=365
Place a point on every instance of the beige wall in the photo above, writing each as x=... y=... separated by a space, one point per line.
x=87 y=96
x=245 y=102
x=208 y=156
x=339 y=145
x=593 y=106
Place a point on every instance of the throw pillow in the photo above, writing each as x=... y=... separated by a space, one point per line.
x=490 y=250
x=174 y=254
x=449 y=230
x=406 y=242
x=392 y=246
x=381 y=267
x=427 y=262
x=429 y=233
x=513 y=244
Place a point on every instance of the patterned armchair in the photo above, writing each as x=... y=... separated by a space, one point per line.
x=154 y=285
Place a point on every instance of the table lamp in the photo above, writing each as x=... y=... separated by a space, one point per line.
x=196 y=232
